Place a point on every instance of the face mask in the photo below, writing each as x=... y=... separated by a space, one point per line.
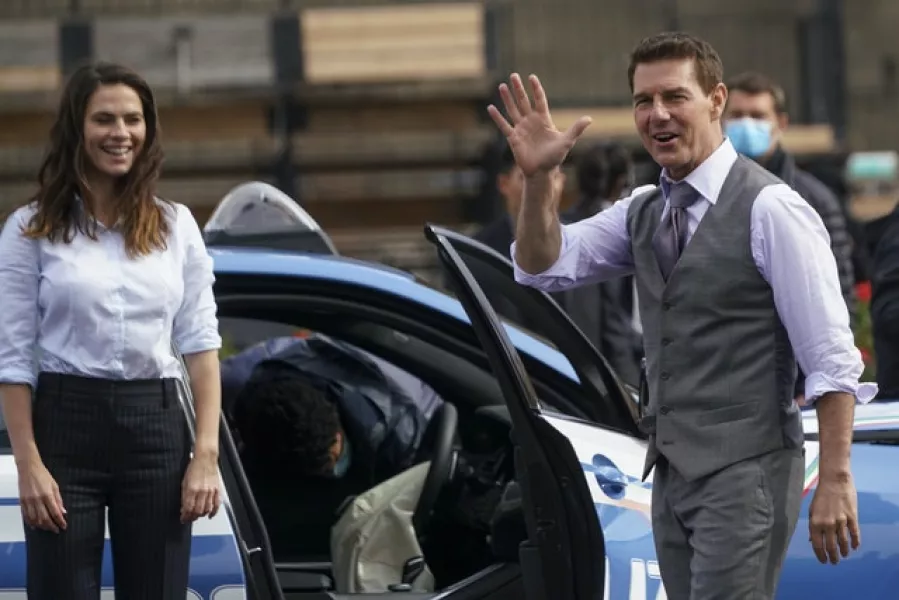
x=751 y=137
x=343 y=461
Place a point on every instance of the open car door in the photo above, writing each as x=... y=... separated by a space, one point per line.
x=563 y=557
x=606 y=400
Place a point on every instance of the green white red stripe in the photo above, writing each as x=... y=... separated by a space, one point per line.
x=811 y=476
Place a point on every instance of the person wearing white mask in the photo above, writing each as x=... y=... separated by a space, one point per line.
x=754 y=121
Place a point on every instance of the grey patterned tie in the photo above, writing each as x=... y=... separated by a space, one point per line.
x=671 y=236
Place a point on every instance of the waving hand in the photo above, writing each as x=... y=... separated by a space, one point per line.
x=532 y=136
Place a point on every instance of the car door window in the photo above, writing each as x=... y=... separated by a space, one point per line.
x=609 y=401
x=298 y=510
x=564 y=555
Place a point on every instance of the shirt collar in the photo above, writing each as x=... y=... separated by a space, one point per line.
x=79 y=202
x=708 y=178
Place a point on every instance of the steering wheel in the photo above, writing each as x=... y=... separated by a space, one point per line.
x=439 y=436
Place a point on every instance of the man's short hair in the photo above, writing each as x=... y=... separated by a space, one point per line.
x=285 y=422
x=753 y=82
x=678 y=45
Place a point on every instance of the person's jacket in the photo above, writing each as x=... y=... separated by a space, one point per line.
x=383 y=409
x=885 y=309
x=612 y=328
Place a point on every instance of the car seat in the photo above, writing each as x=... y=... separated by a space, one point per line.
x=374 y=545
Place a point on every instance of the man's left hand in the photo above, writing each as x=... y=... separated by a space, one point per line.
x=833 y=519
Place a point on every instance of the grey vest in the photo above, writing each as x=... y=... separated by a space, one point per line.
x=720 y=367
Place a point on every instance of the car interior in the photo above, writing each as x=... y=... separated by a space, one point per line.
x=473 y=522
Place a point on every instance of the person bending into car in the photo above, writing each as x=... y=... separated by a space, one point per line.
x=99 y=276
x=318 y=421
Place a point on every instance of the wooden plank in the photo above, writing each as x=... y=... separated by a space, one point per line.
x=24 y=79
x=215 y=122
x=393 y=43
x=332 y=149
x=382 y=214
x=399 y=116
x=395 y=185
x=225 y=120
x=209 y=156
x=202 y=192
x=458 y=90
x=809 y=139
x=618 y=123
x=312 y=151
x=25 y=127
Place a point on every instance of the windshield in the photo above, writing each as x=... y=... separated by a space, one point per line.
x=257 y=214
x=258 y=207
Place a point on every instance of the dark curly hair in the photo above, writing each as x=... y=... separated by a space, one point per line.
x=601 y=167
x=285 y=422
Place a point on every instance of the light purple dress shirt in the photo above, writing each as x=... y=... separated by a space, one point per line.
x=791 y=249
x=87 y=309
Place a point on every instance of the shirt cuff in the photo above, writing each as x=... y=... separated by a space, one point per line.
x=202 y=342
x=562 y=270
x=18 y=376
x=818 y=384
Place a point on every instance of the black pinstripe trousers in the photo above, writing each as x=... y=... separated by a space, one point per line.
x=121 y=447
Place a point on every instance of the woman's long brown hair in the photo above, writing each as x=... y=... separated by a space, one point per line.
x=62 y=173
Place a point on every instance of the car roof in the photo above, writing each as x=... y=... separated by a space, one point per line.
x=377 y=277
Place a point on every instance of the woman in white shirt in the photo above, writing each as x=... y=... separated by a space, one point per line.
x=98 y=277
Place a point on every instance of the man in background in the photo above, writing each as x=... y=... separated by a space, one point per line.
x=885 y=309
x=755 y=120
x=605 y=311
x=498 y=234
x=603 y=173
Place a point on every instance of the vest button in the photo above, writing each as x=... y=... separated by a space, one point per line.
x=665 y=374
x=664 y=409
x=666 y=305
x=665 y=341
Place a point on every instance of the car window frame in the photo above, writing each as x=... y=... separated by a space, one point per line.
x=449 y=326
x=592 y=368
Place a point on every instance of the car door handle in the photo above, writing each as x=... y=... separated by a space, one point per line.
x=612 y=481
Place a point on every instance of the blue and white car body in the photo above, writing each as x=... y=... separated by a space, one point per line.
x=610 y=556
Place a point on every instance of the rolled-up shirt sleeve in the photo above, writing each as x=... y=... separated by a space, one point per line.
x=594 y=249
x=19 y=284
x=195 y=327
x=792 y=249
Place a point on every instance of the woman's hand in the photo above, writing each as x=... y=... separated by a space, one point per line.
x=200 y=489
x=39 y=496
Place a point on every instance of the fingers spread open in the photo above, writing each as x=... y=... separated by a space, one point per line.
x=540 y=102
x=521 y=95
x=504 y=127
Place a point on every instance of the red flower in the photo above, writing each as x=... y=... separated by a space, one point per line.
x=866 y=355
x=863 y=291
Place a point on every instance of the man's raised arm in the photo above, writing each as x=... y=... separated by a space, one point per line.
x=538 y=225
x=547 y=255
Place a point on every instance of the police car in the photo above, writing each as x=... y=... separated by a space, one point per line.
x=532 y=486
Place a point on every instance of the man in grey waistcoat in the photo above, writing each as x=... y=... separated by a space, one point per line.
x=736 y=283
